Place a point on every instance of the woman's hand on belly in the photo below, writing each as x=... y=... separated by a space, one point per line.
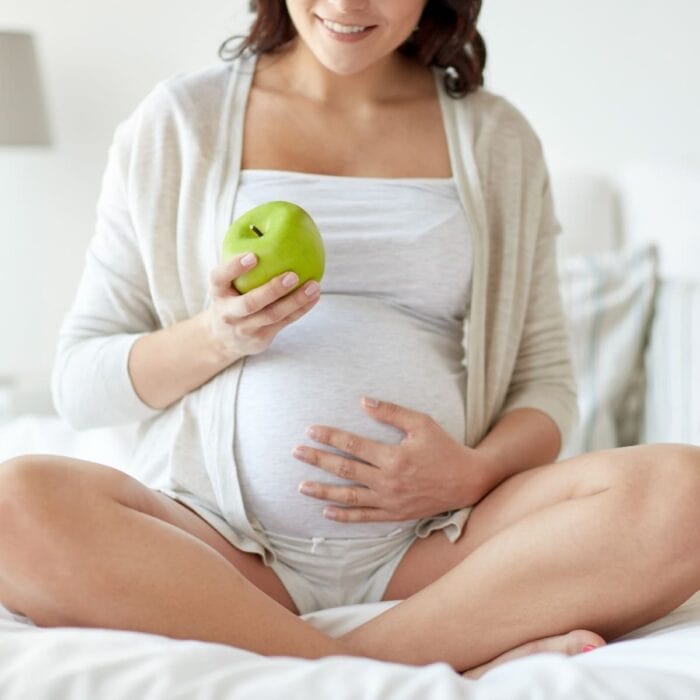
x=427 y=473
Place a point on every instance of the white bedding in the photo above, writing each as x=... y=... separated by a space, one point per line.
x=657 y=662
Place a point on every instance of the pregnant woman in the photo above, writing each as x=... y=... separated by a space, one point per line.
x=391 y=436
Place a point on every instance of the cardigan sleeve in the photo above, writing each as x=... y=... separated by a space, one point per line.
x=543 y=377
x=112 y=308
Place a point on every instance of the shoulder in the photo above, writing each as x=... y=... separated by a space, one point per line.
x=189 y=96
x=195 y=93
x=185 y=107
x=489 y=124
x=508 y=156
x=503 y=142
x=498 y=125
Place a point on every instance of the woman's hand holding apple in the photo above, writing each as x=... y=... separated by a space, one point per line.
x=246 y=324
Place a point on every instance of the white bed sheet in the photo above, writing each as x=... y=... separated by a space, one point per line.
x=657 y=662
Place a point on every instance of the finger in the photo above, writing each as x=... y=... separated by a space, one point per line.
x=290 y=307
x=295 y=307
x=277 y=327
x=359 y=515
x=405 y=419
x=375 y=453
x=344 y=467
x=222 y=277
x=266 y=294
x=344 y=495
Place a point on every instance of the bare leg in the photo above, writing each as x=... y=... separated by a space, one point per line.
x=72 y=555
x=576 y=564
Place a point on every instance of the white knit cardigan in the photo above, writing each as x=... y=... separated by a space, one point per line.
x=167 y=199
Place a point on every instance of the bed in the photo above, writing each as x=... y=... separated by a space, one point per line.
x=660 y=660
x=656 y=662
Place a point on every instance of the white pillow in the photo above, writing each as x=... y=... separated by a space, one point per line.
x=673 y=366
x=608 y=299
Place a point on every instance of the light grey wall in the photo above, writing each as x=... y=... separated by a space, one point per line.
x=602 y=82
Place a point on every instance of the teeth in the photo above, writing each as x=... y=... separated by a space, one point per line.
x=343 y=28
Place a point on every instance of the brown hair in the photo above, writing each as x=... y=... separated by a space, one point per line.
x=446 y=37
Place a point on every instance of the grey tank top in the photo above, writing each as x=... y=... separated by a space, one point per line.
x=389 y=324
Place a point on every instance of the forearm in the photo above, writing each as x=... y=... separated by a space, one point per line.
x=167 y=364
x=522 y=439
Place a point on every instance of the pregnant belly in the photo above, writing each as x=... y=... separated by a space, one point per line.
x=316 y=371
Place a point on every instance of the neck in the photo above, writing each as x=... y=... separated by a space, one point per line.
x=392 y=78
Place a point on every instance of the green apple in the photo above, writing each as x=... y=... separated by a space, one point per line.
x=283 y=237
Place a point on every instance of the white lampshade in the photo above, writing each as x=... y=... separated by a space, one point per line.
x=23 y=116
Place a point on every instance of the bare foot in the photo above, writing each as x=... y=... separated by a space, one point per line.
x=570 y=644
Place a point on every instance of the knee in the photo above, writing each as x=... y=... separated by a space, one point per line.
x=677 y=474
x=19 y=490
x=24 y=481
x=659 y=470
x=673 y=470
x=37 y=487
x=665 y=489
x=18 y=477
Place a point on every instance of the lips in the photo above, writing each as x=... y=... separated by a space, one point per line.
x=346 y=31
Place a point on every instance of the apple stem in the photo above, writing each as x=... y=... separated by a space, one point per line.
x=254 y=228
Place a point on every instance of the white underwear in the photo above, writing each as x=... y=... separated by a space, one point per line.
x=325 y=573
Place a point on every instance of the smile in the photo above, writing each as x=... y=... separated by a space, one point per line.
x=346 y=32
x=342 y=28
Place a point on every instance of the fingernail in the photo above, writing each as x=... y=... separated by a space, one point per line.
x=311 y=289
x=290 y=279
x=371 y=402
x=589 y=647
x=248 y=260
x=306 y=490
x=330 y=514
x=312 y=433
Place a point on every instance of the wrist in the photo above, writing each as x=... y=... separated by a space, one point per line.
x=477 y=477
x=218 y=353
x=488 y=471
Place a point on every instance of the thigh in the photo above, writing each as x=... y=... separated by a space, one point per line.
x=527 y=492
x=67 y=478
x=251 y=565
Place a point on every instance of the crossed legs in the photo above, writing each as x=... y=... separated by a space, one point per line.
x=75 y=554
x=606 y=542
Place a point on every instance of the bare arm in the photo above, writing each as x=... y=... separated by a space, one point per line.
x=167 y=364
x=522 y=439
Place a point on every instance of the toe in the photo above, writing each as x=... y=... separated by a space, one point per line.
x=576 y=640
